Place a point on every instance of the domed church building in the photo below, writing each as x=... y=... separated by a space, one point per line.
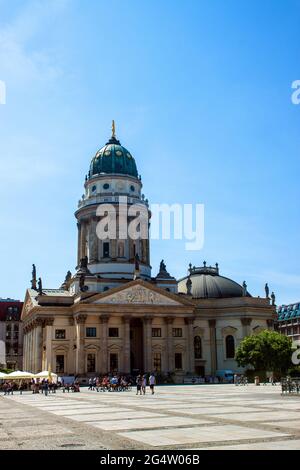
x=113 y=315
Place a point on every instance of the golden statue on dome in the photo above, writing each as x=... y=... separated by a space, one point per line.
x=113 y=129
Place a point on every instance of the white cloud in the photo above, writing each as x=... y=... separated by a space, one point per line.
x=283 y=279
x=21 y=58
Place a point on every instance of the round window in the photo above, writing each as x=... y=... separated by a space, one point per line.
x=94 y=188
x=106 y=186
x=107 y=153
x=132 y=188
x=119 y=153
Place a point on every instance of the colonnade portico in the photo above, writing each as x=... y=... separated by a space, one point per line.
x=41 y=344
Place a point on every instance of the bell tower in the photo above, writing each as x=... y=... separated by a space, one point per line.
x=113 y=194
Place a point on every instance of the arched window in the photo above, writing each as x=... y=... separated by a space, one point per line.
x=198 y=347
x=230 y=348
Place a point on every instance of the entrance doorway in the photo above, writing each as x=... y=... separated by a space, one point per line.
x=200 y=370
x=136 y=346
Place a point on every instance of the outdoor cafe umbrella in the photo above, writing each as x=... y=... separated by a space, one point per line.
x=45 y=375
x=3 y=376
x=18 y=374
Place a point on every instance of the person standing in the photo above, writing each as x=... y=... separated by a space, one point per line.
x=139 y=385
x=152 y=383
x=144 y=383
x=45 y=387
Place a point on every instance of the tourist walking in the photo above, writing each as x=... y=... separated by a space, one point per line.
x=152 y=383
x=139 y=385
x=90 y=384
x=144 y=383
x=45 y=387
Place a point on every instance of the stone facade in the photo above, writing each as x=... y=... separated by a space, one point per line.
x=137 y=327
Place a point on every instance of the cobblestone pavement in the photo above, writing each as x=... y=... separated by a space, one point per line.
x=176 y=417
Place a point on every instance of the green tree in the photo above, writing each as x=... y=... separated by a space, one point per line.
x=267 y=350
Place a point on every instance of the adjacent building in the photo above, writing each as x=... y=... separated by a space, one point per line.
x=288 y=320
x=11 y=334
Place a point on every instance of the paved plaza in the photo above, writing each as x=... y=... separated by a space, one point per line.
x=176 y=417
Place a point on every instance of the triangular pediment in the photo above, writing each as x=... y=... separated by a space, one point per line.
x=29 y=303
x=137 y=292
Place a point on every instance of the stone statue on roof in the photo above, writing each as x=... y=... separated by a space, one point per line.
x=267 y=290
x=33 y=280
x=189 y=286
x=82 y=286
x=162 y=266
x=273 y=298
x=40 y=286
x=84 y=262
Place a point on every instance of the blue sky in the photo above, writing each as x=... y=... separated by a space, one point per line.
x=201 y=95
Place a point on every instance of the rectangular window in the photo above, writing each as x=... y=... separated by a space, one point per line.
x=60 y=334
x=157 y=362
x=91 y=332
x=177 y=332
x=113 y=332
x=156 y=332
x=113 y=362
x=178 y=361
x=91 y=363
x=60 y=364
x=105 y=249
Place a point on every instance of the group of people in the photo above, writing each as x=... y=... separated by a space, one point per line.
x=44 y=385
x=106 y=383
x=110 y=383
x=240 y=379
x=141 y=384
x=117 y=382
x=9 y=387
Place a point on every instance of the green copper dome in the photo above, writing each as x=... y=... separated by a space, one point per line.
x=113 y=158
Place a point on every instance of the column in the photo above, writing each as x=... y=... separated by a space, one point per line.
x=78 y=242
x=48 y=322
x=190 y=345
x=126 y=344
x=34 y=351
x=80 y=332
x=147 y=336
x=71 y=356
x=104 y=335
x=25 y=348
x=83 y=240
x=270 y=324
x=93 y=240
x=39 y=344
x=213 y=348
x=30 y=348
x=246 y=322
x=170 y=350
x=113 y=249
x=148 y=250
